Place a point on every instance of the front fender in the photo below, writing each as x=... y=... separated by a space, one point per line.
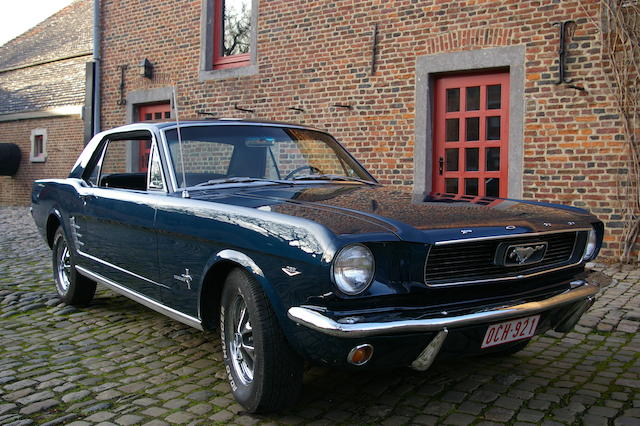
x=251 y=267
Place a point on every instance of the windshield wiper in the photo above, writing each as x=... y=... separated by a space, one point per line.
x=333 y=177
x=239 y=179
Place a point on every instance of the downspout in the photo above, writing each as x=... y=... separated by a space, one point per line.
x=97 y=66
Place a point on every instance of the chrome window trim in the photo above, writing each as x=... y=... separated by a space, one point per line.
x=500 y=237
x=150 y=303
x=512 y=278
x=167 y=157
x=103 y=147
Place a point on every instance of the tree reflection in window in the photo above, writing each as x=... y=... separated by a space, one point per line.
x=236 y=27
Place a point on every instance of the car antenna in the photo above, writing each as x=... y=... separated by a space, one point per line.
x=185 y=193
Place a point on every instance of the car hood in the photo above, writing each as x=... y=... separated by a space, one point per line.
x=358 y=209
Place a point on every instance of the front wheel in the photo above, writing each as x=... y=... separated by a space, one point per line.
x=73 y=288
x=264 y=372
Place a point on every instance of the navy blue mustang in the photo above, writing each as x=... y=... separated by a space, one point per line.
x=278 y=235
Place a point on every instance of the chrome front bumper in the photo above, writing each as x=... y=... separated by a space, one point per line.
x=580 y=291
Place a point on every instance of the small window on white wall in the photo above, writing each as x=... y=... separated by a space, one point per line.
x=38 y=145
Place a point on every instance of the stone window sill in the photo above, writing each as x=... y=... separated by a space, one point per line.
x=224 y=73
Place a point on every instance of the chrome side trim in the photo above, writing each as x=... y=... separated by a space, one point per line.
x=501 y=237
x=149 y=303
x=111 y=265
x=323 y=324
x=75 y=235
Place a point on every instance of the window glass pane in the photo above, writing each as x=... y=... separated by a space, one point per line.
x=121 y=165
x=148 y=116
x=451 y=185
x=493 y=96
x=236 y=27
x=167 y=114
x=452 y=129
x=121 y=157
x=143 y=155
x=493 y=159
x=155 y=174
x=473 y=98
x=492 y=187
x=39 y=145
x=158 y=115
x=472 y=129
x=211 y=153
x=470 y=186
x=453 y=99
x=452 y=159
x=493 y=128
x=472 y=159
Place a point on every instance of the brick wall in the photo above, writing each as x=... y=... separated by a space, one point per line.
x=316 y=54
x=64 y=144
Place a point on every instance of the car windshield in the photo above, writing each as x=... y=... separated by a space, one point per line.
x=215 y=154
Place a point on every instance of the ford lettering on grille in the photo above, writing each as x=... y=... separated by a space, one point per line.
x=520 y=254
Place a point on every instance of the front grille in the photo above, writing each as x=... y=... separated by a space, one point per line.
x=469 y=262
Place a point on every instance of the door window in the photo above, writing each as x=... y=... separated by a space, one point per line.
x=116 y=165
x=120 y=169
x=471 y=129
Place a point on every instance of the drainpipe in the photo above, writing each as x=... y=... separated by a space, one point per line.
x=97 y=66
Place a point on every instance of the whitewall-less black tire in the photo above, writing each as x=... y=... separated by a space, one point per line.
x=73 y=288
x=265 y=374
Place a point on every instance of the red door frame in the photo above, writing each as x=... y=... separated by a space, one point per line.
x=439 y=132
x=158 y=112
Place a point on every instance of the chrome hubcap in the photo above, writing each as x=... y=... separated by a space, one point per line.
x=64 y=268
x=240 y=340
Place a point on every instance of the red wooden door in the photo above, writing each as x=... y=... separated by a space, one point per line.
x=149 y=113
x=471 y=135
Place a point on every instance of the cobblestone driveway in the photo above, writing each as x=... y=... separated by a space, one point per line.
x=117 y=362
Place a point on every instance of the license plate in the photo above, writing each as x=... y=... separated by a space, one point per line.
x=510 y=331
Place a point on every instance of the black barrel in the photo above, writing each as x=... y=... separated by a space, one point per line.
x=9 y=159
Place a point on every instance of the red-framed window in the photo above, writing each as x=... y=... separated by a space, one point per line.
x=161 y=111
x=471 y=135
x=231 y=33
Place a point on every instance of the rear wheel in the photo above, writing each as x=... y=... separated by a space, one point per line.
x=264 y=372
x=73 y=288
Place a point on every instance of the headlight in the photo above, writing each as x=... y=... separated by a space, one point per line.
x=353 y=269
x=592 y=242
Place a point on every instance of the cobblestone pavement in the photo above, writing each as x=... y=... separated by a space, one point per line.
x=116 y=362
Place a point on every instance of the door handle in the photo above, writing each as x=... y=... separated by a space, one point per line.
x=441 y=165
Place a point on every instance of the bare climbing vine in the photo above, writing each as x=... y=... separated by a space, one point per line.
x=620 y=41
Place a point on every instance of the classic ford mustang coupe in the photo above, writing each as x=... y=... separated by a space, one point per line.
x=277 y=235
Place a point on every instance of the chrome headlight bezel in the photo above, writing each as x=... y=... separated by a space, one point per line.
x=591 y=246
x=348 y=257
